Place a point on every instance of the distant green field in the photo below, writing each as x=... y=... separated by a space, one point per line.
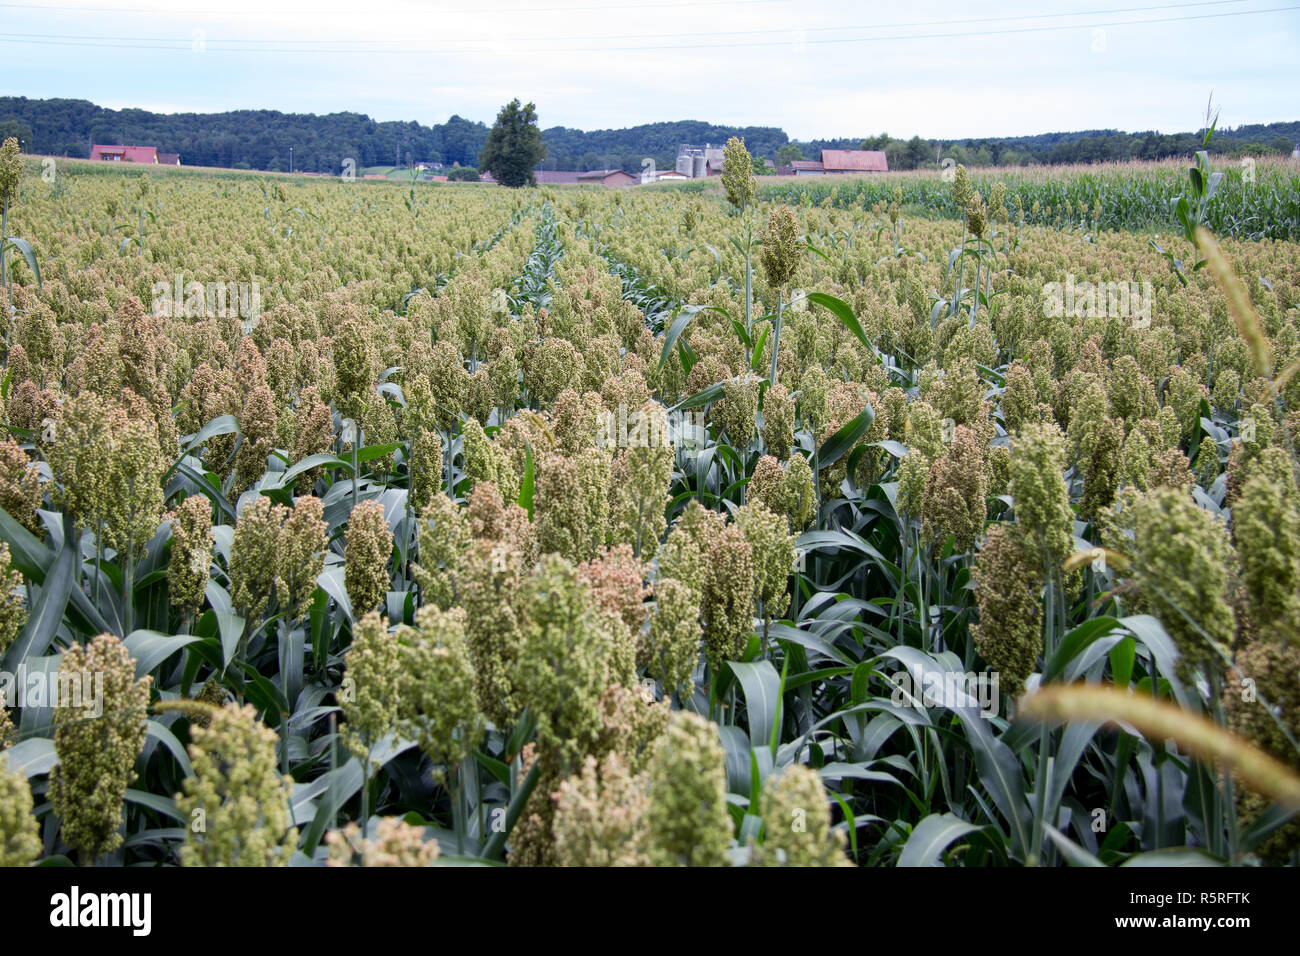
x=391 y=172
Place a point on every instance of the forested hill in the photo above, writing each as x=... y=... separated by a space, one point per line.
x=261 y=139
x=255 y=139
x=626 y=148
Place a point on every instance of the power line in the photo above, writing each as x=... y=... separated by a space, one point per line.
x=226 y=44
x=893 y=26
x=655 y=4
x=451 y=51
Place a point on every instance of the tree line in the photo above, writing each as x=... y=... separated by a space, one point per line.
x=262 y=139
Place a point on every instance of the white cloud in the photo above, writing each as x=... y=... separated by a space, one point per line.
x=734 y=63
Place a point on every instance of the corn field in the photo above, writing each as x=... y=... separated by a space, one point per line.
x=1258 y=199
x=357 y=524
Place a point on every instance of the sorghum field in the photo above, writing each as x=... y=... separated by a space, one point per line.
x=351 y=523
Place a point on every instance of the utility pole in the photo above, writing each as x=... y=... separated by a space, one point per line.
x=291 y=159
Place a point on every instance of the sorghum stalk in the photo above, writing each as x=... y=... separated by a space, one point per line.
x=749 y=273
x=961 y=273
x=446 y=464
x=365 y=788
x=1227 y=800
x=128 y=587
x=99 y=557
x=458 y=807
x=356 y=471
x=776 y=335
x=921 y=577
x=11 y=170
x=1040 y=790
x=961 y=194
x=739 y=185
x=988 y=277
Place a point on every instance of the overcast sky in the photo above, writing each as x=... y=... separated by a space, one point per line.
x=815 y=68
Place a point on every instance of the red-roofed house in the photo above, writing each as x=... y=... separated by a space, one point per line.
x=854 y=161
x=126 y=154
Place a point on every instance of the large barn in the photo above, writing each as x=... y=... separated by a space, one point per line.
x=837 y=162
x=613 y=178
x=854 y=161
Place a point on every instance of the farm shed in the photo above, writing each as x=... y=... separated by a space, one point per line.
x=854 y=161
